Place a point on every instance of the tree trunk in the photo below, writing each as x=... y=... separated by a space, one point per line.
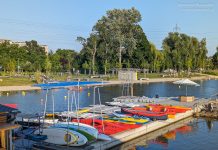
x=120 y=56
x=93 y=58
x=85 y=71
x=105 y=67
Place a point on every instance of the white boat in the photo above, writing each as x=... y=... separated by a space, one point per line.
x=82 y=140
x=59 y=136
x=82 y=115
x=84 y=127
x=103 y=137
x=119 y=115
x=114 y=104
x=131 y=105
x=36 y=120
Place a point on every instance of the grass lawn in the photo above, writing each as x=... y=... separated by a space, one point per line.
x=212 y=72
x=16 y=81
x=149 y=75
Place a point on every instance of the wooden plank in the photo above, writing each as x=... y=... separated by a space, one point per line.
x=6 y=126
x=3 y=142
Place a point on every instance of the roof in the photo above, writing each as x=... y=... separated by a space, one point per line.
x=8 y=109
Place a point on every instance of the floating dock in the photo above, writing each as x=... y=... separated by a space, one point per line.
x=128 y=135
x=122 y=137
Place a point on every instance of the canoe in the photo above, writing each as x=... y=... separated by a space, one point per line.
x=149 y=114
x=58 y=136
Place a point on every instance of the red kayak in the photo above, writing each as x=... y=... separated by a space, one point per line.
x=160 y=109
x=177 y=109
x=106 y=127
x=145 y=113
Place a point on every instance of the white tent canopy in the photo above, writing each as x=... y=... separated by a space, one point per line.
x=186 y=82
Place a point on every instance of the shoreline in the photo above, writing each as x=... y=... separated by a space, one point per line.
x=18 y=88
x=152 y=80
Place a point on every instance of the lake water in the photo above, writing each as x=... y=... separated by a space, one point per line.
x=196 y=134
x=33 y=101
x=188 y=134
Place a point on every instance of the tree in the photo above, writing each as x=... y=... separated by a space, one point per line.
x=11 y=66
x=120 y=27
x=183 y=52
x=48 y=65
x=85 y=66
x=36 y=55
x=90 y=44
x=65 y=58
x=215 y=59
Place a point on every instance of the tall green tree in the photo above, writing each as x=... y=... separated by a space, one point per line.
x=120 y=26
x=215 y=59
x=90 y=44
x=183 y=52
x=65 y=59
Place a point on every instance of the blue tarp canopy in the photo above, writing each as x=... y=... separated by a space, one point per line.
x=67 y=84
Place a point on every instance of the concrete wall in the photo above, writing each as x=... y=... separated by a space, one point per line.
x=127 y=75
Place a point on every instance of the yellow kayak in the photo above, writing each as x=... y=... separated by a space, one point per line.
x=51 y=115
x=128 y=120
x=134 y=120
x=83 y=111
x=171 y=116
x=119 y=121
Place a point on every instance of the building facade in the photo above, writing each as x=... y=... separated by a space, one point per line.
x=21 y=43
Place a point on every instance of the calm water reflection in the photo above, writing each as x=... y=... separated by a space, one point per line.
x=189 y=134
x=33 y=101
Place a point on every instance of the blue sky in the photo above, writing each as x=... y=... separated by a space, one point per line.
x=57 y=23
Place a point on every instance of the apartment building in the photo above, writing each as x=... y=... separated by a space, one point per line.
x=21 y=43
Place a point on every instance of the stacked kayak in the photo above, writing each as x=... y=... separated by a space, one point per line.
x=150 y=114
x=128 y=120
x=176 y=109
x=108 y=127
x=158 y=109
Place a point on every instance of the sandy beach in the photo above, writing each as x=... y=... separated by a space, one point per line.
x=28 y=88
x=19 y=88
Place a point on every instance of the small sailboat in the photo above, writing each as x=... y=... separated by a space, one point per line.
x=58 y=136
x=84 y=127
